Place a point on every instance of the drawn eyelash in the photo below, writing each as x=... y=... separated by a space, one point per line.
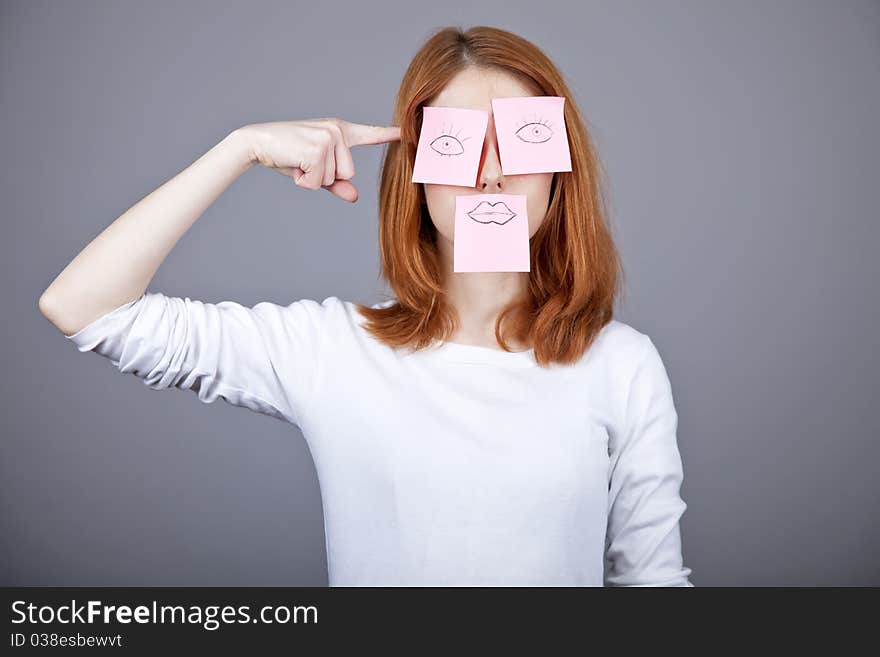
x=534 y=130
x=448 y=143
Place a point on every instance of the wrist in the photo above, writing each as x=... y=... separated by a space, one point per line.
x=242 y=142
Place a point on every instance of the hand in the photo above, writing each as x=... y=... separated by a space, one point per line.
x=315 y=152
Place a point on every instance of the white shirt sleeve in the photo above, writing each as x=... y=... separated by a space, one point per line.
x=263 y=358
x=643 y=543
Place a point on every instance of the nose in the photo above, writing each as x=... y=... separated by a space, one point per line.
x=490 y=179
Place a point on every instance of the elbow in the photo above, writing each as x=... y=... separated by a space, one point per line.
x=50 y=309
x=46 y=305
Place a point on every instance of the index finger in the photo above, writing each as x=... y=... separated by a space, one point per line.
x=358 y=134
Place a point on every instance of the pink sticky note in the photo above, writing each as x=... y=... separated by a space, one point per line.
x=491 y=233
x=450 y=145
x=531 y=134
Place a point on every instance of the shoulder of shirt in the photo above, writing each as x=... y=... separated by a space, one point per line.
x=338 y=303
x=622 y=353
x=619 y=345
x=332 y=313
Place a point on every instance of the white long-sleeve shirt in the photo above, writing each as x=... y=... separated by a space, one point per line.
x=458 y=466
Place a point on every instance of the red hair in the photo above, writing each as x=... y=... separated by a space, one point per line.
x=575 y=269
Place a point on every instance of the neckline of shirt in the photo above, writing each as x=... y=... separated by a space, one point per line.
x=471 y=353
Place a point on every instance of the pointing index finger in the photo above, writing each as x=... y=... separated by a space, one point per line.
x=358 y=134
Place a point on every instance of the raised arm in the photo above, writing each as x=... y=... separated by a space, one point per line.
x=117 y=266
x=262 y=357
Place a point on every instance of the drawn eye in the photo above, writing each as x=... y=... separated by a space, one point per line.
x=535 y=132
x=447 y=145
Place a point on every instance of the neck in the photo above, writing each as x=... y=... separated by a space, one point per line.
x=478 y=298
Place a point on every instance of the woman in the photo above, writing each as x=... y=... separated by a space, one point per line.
x=481 y=428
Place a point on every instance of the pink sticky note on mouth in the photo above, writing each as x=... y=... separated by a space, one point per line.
x=491 y=233
x=531 y=134
x=450 y=144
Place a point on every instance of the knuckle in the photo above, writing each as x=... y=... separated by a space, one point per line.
x=324 y=136
x=334 y=127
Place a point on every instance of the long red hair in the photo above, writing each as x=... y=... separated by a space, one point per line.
x=575 y=268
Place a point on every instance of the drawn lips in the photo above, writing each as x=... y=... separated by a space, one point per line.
x=491 y=213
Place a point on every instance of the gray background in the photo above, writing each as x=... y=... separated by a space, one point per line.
x=742 y=147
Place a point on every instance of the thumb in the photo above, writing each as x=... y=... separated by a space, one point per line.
x=343 y=189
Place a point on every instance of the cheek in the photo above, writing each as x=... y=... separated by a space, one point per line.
x=440 y=200
x=538 y=191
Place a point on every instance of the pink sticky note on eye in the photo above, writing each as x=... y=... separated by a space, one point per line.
x=491 y=233
x=450 y=145
x=531 y=134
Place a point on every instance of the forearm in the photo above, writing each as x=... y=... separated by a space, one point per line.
x=118 y=264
